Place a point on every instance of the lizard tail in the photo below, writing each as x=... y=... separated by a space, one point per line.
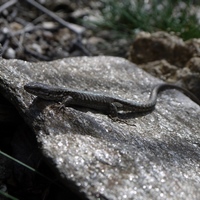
x=165 y=86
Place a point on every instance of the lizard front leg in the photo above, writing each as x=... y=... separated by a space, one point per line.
x=66 y=102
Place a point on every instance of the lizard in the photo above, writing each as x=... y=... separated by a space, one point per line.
x=104 y=103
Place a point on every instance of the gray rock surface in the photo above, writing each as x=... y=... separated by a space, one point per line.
x=155 y=156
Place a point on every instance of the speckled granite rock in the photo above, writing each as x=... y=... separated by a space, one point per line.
x=155 y=156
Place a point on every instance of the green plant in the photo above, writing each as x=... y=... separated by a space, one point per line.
x=49 y=180
x=130 y=16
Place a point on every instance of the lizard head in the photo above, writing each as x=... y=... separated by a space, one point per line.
x=39 y=89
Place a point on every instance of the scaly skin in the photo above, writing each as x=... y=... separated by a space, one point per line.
x=101 y=102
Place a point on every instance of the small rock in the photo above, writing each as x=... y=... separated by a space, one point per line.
x=10 y=53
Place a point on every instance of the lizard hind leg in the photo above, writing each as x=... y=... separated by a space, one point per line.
x=113 y=114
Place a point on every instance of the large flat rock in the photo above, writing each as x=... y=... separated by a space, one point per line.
x=154 y=156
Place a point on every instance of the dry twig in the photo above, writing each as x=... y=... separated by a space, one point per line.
x=73 y=27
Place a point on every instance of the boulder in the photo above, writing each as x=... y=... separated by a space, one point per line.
x=152 y=156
